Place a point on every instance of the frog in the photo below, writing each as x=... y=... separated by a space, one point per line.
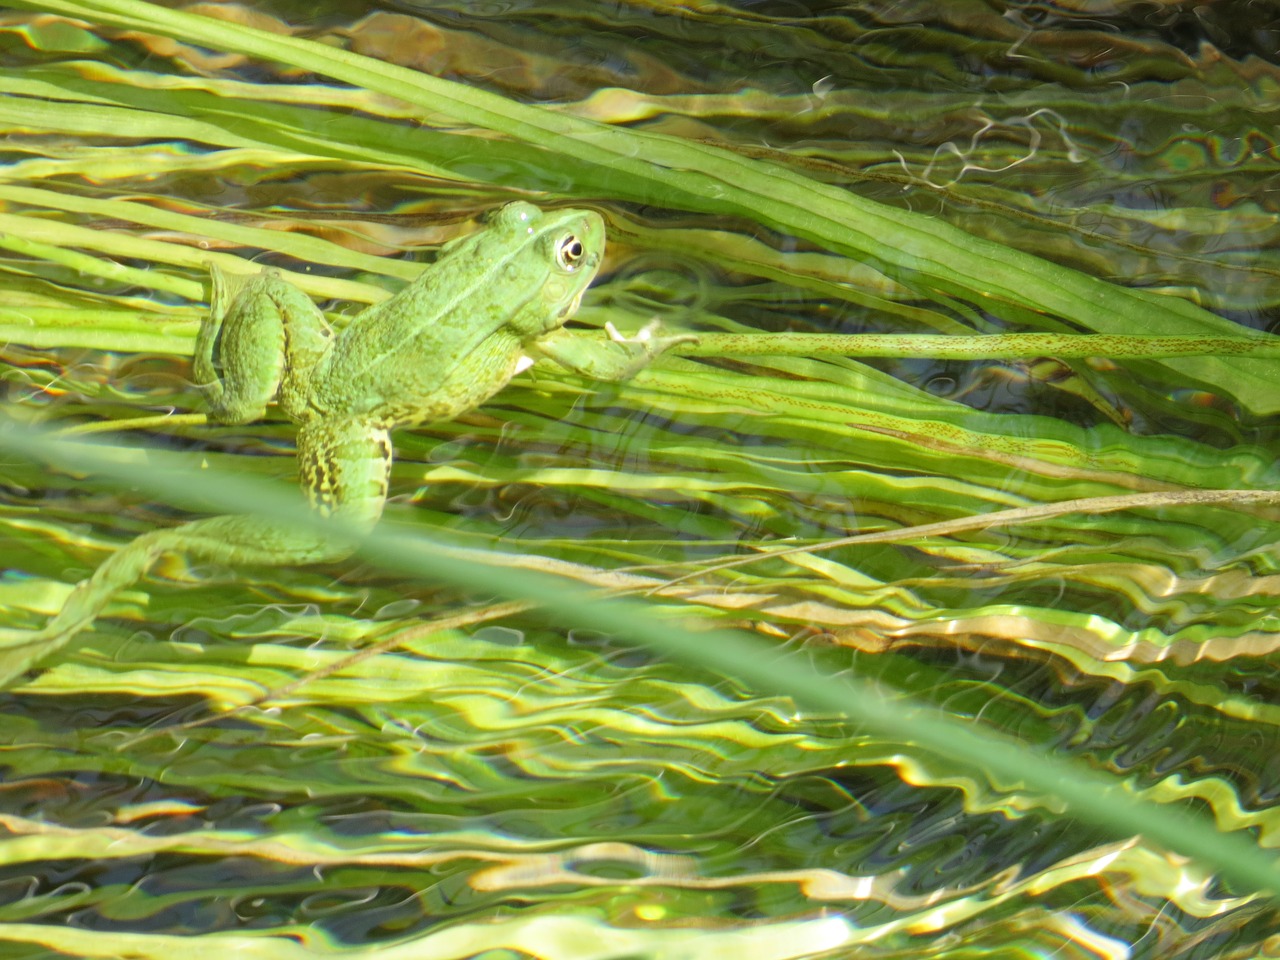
x=492 y=303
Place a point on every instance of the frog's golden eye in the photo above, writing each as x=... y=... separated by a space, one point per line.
x=569 y=252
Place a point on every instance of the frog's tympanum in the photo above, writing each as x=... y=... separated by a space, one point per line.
x=492 y=303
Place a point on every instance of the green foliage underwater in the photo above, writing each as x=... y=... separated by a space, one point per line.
x=922 y=603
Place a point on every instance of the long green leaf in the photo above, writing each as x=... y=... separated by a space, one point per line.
x=926 y=252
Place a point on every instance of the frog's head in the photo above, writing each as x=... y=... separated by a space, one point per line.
x=558 y=253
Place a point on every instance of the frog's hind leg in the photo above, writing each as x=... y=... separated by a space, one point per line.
x=259 y=342
x=231 y=540
x=344 y=465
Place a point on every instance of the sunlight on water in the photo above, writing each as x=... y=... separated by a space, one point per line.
x=206 y=766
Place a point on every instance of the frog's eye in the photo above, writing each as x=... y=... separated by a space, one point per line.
x=569 y=252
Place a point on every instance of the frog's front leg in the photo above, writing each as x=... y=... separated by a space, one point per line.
x=261 y=341
x=615 y=359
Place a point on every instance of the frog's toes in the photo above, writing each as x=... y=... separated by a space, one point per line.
x=644 y=338
x=643 y=335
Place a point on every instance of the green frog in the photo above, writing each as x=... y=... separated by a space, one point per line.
x=492 y=303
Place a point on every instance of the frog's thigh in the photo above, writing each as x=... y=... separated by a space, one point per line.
x=270 y=340
x=249 y=355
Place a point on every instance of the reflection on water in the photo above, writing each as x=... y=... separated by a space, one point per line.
x=511 y=790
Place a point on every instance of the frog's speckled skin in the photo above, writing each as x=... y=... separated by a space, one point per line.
x=442 y=346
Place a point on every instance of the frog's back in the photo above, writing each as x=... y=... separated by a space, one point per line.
x=455 y=336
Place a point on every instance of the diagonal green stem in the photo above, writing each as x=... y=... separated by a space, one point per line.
x=1095 y=796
